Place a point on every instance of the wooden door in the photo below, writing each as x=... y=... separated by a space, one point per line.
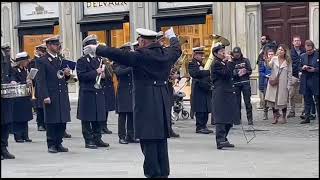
x=281 y=21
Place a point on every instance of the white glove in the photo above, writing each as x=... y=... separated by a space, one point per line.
x=90 y=49
x=169 y=33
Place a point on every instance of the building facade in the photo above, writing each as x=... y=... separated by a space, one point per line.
x=25 y=24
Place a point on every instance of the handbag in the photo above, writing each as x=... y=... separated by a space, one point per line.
x=275 y=81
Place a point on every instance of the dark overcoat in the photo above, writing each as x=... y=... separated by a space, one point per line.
x=124 y=94
x=57 y=89
x=7 y=75
x=225 y=109
x=22 y=106
x=200 y=87
x=150 y=67
x=91 y=102
x=109 y=93
x=313 y=75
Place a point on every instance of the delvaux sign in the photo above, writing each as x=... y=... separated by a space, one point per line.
x=169 y=5
x=90 y=8
x=38 y=10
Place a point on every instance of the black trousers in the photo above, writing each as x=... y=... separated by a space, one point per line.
x=4 y=135
x=40 y=117
x=125 y=125
x=156 y=159
x=55 y=133
x=245 y=89
x=20 y=130
x=222 y=131
x=310 y=99
x=104 y=124
x=201 y=120
x=91 y=131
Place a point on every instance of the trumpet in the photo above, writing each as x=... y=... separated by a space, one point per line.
x=97 y=85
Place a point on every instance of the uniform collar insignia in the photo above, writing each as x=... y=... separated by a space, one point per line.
x=88 y=59
x=223 y=63
x=19 y=70
x=50 y=59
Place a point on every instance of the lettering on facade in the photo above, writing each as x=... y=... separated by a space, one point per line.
x=105 y=4
x=38 y=10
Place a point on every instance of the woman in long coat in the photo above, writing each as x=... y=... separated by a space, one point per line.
x=22 y=106
x=278 y=95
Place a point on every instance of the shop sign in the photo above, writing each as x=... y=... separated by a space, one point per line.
x=90 y=8
x=169 y=5
x=38 y=10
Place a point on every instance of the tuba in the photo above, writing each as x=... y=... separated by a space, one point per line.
x=215 y=39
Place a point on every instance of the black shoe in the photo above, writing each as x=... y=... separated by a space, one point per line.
x=227 y=144
x=210 y=131
x=305 y=121
x=291 y=114
x=123 y=141
x=19 y=140
x=312 y=117
x=6 y=155
x=173 y=134
x=28 y=140
x=303 y=116
x=100 y=143
x=60 y=148
x=132 y=140
x=219 y=146
x=91 y=145
x=66 y=135
x=105 y=130
x=204 y=131
x=52 y=149
x=250 y=122
x=41 y=128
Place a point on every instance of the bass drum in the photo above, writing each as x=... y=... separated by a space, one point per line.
x=15 y=90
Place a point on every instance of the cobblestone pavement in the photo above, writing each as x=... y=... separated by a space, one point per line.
x=282 y=150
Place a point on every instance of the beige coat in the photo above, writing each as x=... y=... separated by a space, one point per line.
x=285 y=79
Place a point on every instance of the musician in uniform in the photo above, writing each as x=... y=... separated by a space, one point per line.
x=7 y=76
x=241 y=78
x=22 y=106
x=124 y=101
x=41 y=50
x=225 y=109
x=150 y=66
x=91 y=104
x=173 y=75
x=110 y=97
x=53 y=75
x=201 y=91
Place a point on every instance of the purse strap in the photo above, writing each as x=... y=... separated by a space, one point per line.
x=278 y=75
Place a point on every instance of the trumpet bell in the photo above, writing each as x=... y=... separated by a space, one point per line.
x=217 y=38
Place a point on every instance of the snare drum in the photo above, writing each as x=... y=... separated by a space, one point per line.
x=15 y=90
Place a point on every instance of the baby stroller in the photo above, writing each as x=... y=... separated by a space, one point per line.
x=178 y=107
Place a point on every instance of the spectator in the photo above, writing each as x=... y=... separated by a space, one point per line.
x=266 y=43
x=277 y=90
x=296 y=51
x=264 y=73
x=309 y=85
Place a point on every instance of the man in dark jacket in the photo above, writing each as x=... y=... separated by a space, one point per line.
x=201 y=91
x=53 y=75
x=150 y=64
x=309 y=85
x=241 y=76
x=22 y=106
x=224 y=101
x=91 y=103
x=7 y=76
x=296 y=53
x=124 y=101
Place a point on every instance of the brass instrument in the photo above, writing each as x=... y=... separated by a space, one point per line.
x=215 y=39
x=97 y=85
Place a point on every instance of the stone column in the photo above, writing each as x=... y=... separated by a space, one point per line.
x=314 y=22
x=70 y=34
x=138 y=17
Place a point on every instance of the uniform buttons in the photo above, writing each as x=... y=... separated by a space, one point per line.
x=165 y=82
x=232 y=85
x=60 y=90
x=59 y=84
x=129 y=83
x=154 y=82
x=234 y=92
x=96 y=93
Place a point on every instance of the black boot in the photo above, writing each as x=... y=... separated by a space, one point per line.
x=173 y=134
x=250 y=122
x=123 y=141
x=130 y=139
x=60 y=148
x=100 y=143
x=306 y=121
x=5 y=153
x=66 y=135
x=91 y=145
x=52 y=149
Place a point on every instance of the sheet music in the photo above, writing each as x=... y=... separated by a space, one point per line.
x=33 y=73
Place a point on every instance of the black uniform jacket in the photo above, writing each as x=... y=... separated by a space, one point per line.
x=150 y=67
